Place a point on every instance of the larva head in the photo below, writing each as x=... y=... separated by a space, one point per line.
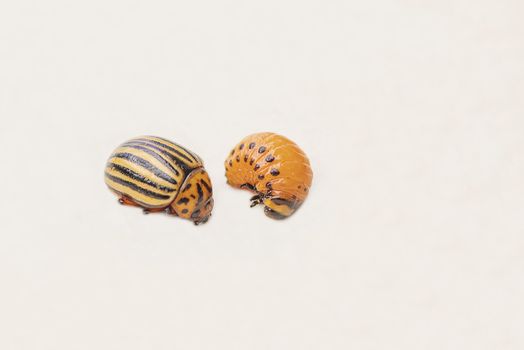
x=280 y=208
x=194 y=200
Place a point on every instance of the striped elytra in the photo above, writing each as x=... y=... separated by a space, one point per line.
x=274 y=168
x=159 y=175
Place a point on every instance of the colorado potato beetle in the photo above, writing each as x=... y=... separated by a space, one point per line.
x=274 y=168
x=159 y=175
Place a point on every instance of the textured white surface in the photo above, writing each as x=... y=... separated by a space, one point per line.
x=412 y=115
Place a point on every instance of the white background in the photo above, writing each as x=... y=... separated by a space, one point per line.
x=410 y=111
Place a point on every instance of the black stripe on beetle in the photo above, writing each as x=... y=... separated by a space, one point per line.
x=193 y=155
x=146 y=165
x=138 y=177
x=152 y=154
x=174 y=150
x=136 y=188
x=180 y=163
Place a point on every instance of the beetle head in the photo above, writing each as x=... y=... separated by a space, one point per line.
x=195 y=198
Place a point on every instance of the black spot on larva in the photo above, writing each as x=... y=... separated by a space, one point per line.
x=193 y=196
x=299 y=186
x=245 y=158
x=269 y=185
x=241 y=146
x=305 y=189
x=183 y=200
x=232 y=151
x=184 y=211
x=230 y=163
x=270 y=158
x=251 y=161
x=257 y=166
x=262 y=149
x=252 y=145
x=238 y=158
x=275 y=172
x=261 y=177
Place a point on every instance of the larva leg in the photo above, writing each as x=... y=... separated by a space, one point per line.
x=249 y=187
x=255 y=200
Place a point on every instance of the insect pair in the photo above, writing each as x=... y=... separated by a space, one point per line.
x=161 y=176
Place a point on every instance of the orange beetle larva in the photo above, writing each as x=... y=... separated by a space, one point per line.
x=273 y=167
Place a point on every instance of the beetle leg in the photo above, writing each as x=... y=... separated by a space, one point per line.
x=127 y=201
